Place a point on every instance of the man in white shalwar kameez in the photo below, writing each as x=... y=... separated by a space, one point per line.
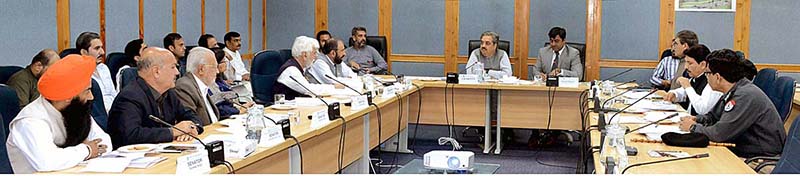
x=56 y=131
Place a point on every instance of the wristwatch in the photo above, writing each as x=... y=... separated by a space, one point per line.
x=691 y=129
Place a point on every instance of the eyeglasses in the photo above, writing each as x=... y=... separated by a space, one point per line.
x=707 y=73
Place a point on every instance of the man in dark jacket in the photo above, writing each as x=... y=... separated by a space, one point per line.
x=151 y=94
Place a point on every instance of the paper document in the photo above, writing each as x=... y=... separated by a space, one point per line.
x=107 y=165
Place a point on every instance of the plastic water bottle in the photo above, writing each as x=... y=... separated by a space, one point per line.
x=255 y=122
x=478 y=70
x=614 y=146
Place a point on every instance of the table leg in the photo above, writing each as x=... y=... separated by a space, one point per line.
x=499 y=131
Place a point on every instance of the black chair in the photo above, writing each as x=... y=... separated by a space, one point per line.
x=114 y=61
x=765 y=78
x=665 y=53
x=5 y=164
x=377 y=42
x=9 y=105
x=789 y=160
x=7 y=71
x=69 y=51
x=285 y=55
x=98 y=107
x=264 y=74
x=781 y=93
x=475 y=44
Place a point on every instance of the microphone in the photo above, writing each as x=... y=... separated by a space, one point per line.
x=382 y=82
x=468 y=67
x=369 y=94
x=216 y=150
x=631 y=81
x=626 y=107
x=698 y=156
x=333 y=108
x=651 y=123
x=612 y=97
x=618 y=74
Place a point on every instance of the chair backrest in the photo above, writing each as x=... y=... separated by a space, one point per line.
x=665 y=53
x=285 y=55
x=98 y=107
x=789 y=162
x=5 y=164
x=781 y=93
x=69 y=51
x=264 y=74
x=9 y=105
x=128 y=75
x=765 y=78
x=377 y=42
x=7 y=71
x=114 y=61
x=475 y=44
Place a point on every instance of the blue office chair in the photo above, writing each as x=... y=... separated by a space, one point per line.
x=765 y=78
x=7 y=71
x=781 y=94
x=128 y=75
x=114 y=61
x=789 y=160
x=264 y=74
x=286 y=54
x=5 y=164
x=98 y=106
x=69 y=51
x=9 y=105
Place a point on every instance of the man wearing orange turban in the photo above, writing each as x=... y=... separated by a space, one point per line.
x=56 y=131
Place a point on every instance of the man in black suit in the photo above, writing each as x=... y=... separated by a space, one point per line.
x=151 y=94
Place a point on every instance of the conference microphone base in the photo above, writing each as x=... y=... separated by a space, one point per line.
x=216 y=153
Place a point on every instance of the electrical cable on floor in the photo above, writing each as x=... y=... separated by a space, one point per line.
x=446 y=114
x=399 y=123
x=416 y=125
x=341 y=145
x=380 y=123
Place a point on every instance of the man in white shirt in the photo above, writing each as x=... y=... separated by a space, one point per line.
x=233 y=42
x=291 y=81
x=330 y=63
x=194 y=87
x=90 y=45
x=56 y=131
x=494 y=60
x=687 y=94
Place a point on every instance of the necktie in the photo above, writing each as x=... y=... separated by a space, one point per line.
x=555 y=62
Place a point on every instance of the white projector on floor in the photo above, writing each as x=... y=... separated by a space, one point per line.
x=449 y=160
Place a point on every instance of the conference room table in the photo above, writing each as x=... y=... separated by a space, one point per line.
x=720 y=161
x=519 y=106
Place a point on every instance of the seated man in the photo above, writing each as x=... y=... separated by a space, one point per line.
x=152 y=94
x=671 y=67
x=362 y=57
x=330 y=64
x=127 y=73
x=558 y=59
x=291 y=80
x=687 y=95
x=493 y=59
x=55 y=131
x=743 y=116
x=233 y=42
x=175 y=43
x=195 y=86
x=24 y=82
x=90 y=44
x=224 y=97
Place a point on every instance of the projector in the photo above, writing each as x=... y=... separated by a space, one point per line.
x=449 y=160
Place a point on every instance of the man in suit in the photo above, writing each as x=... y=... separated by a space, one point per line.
x=194 y=88
x=558 y=59
x=151 y=94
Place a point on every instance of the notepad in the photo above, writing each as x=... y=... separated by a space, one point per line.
x=107 y=165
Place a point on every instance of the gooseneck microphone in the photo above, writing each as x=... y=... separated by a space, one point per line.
x=333 y=108
x=215 y=149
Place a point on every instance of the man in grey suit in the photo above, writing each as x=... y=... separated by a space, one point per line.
x=558 y=59
x=194 y=88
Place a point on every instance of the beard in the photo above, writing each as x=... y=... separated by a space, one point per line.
x=77 y=121
x=337 y=59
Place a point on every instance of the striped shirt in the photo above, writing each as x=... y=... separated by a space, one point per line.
x=665 y=70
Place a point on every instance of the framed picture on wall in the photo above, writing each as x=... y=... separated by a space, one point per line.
x=706 y=5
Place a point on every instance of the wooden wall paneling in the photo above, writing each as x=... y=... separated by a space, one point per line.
x=521 y=28
x=451 y=9
x=321 y=14
x=62 y=24
x=666 y=27
x=141 y=19
x=175 y=16
x=385 y=27
x=102 y=16
x=741 y=29
x=594 y=16
x=202 y=17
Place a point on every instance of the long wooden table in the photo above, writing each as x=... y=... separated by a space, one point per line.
x=521 y=106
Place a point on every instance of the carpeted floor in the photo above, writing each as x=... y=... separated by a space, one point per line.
x=516 y=156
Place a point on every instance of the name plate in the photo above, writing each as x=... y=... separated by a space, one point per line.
x=319 y=119
x=389 y=91
x=358 y=102
x=245 y=147
x=193 y=164
x=568 y=82
x=468 y=79
x=271 y=136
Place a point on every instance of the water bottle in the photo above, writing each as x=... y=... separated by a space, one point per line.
x=478 y=70
x=255 y=122
x=614 y=146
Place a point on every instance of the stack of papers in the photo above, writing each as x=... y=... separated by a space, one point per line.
x=654 y=132
x=655 y=116
x=107 y=165
x=146 y=162
x=656 y=105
